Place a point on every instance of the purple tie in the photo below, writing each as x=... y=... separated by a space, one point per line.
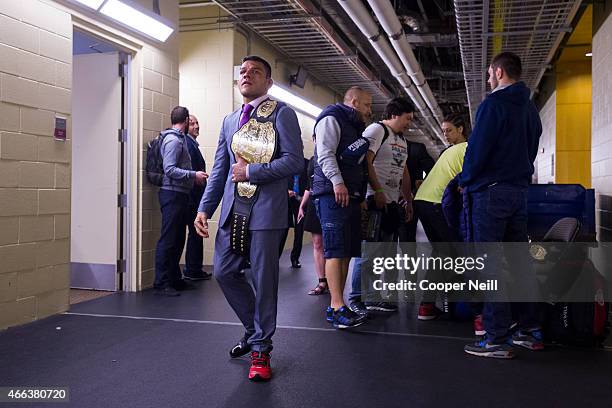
x=246 y=114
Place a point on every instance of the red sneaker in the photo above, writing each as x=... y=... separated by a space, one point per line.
x=479 y=329
x=428 y=311
x=260 y=366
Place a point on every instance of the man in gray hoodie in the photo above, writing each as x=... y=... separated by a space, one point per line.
x=177 y=183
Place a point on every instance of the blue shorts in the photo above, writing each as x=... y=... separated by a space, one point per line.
x=341 y=227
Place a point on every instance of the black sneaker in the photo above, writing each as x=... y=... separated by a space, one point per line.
x=484 y=348
x=167 y=291
x=241 y=348
x=197 y=276
x=345 y=318
x=359 y=308
x=381 y=306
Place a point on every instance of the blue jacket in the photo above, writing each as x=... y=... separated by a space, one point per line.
x=354 y=172
x=504 y=142
x=197 y=164
x=452 y=208
x=178 y=175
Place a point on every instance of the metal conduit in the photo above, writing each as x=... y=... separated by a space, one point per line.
x=363 y=20
x=388 y=19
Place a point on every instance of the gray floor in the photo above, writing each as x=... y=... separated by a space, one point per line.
x=139 y=350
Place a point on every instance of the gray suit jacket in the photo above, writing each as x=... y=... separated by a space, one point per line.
x=270 y=210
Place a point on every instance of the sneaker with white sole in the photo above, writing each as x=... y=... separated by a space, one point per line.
x=484 y=348
x=532 y=340
x=381 y=307
x=345 y=318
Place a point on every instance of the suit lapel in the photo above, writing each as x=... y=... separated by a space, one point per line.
x=233 y=123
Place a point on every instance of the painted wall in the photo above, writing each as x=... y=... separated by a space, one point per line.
x=35 y=82
x=544 y=165
x=601 y=140
x=573 y=119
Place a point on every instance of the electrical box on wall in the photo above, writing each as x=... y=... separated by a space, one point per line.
x=60 y=129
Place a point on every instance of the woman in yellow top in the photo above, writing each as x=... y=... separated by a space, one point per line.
x=427 y=202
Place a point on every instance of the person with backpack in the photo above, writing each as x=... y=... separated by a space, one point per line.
x=176 y=183
x=388 y=180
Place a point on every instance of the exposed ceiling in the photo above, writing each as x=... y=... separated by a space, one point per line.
x=580 y=42
x=533 y=29
x=453 y=41
x=319 y=35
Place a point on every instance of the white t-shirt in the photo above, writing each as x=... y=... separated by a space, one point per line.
x=390 y=159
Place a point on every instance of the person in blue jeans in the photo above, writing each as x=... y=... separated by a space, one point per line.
x=338 y=187
x=497 y=170
x=388 y=182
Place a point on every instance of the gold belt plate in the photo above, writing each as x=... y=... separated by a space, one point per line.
x=255 y=142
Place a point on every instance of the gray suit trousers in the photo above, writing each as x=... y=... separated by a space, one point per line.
x=253 y=296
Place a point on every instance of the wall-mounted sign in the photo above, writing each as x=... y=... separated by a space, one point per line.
x=60 y=129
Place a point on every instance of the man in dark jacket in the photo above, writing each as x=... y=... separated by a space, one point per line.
x=194 y=252
x=296 y=186
x=496 y=174
x=419 y=161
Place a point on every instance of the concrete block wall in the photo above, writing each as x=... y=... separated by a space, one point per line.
x=601 y=139
x=160 y=93
x=544 y=165
x=35 y=83
x=206 y=90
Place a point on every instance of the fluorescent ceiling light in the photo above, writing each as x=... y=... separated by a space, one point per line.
x=588 y=54
x=136 y=19
x=294 y=100
x=94 y=4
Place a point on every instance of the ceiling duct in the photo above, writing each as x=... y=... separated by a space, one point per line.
x=364 y=21
x=388 y=19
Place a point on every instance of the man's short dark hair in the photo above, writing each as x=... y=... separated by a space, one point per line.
x=397 y=107
x=510 y=63
x=179 y=115
x=265 y=63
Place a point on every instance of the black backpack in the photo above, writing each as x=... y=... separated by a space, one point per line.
x=154 y=167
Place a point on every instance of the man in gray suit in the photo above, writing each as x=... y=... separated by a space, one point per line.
x=260 y=146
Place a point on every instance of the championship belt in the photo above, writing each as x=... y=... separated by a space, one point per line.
x=256 y=142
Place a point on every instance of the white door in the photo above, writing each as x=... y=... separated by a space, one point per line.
x=96 y=118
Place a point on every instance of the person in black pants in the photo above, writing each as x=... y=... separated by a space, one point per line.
x=194 y=252
x=428 y=200
x=296 y=187
x=419 y=164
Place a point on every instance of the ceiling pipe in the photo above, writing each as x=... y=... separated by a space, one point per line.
x=388 y=19
x=364 y=21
